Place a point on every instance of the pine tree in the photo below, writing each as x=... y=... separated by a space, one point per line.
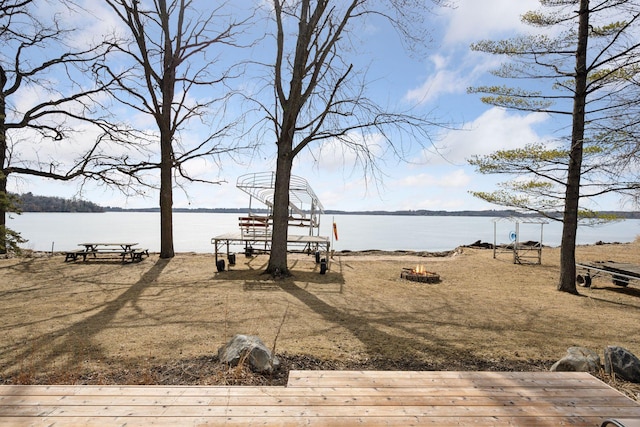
x=589 y=66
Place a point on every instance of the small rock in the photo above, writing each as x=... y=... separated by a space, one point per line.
x=622 y=363
x=578 y=359
x=251 y=349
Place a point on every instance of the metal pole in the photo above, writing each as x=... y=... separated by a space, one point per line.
x=540 y=251
x=494 y=239
x=516 y=242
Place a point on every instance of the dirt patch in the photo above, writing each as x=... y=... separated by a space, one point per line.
x=162 y=321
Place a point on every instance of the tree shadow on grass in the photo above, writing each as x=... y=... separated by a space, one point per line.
x=377 y=342
x=73 y=344
x=255 y=279
x=630 y=291
x=306 y=286
x=327 y=283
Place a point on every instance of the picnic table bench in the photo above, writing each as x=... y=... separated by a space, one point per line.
x=125 y=251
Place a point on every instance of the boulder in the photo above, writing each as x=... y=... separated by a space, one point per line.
x=578 y=359
x=622 y=363
x=248 y=348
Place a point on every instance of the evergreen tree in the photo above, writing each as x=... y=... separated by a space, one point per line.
x=588 y=57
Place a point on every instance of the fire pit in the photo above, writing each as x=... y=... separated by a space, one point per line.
x=419 y=274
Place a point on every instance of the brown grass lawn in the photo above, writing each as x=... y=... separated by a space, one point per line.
x=162 y=321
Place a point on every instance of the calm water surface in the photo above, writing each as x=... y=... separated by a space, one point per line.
x=193 y=231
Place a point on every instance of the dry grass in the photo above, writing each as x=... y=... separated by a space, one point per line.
x=87 y=319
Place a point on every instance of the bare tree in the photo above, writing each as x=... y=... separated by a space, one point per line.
x=169 y=57
x=320 y=96
x=36 y=56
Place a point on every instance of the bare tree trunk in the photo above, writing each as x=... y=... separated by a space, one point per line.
x=567 y=281
x=166 y=136
x=166 y=200
x=3 y=213
x=278 y=257
x=3 y=159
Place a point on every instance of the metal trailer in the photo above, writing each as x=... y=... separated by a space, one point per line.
x=621 y=273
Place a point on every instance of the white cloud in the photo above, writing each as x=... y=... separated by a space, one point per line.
x=495 y=129
x=335 y=156
x=474 y=20
x=440 y=188
x=457 y=178
x=452 y=72
x=455 y=67
x=442 y=81
x=91 y=20
x=336 y=193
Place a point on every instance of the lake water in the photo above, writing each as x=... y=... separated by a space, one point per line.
x=193 y=231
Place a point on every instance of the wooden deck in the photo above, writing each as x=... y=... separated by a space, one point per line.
x=339 y=398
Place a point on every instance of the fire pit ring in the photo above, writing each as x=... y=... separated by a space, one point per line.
x=419 y=276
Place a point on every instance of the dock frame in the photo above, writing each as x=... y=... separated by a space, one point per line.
x=262 y=244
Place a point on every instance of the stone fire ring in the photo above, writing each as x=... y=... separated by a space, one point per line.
x=425 y=277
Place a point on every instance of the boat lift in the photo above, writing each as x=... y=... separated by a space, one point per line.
x=305 y=211
x=522 y=253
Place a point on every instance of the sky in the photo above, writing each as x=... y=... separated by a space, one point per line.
x=434 y=80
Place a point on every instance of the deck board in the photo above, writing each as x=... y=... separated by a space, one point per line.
x=332 y=398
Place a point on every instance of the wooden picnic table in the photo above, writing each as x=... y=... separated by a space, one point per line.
x=96 y=247
x=124 y=250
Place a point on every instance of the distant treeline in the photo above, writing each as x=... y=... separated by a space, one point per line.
x=30 y=203
x=192 y=210
x=484 y=213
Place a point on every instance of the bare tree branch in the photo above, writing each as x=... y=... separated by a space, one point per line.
x=168 y=56
x=317 y=95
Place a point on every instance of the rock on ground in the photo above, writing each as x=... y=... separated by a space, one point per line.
x=578 y=359
x=251 y=349
x=622 y=363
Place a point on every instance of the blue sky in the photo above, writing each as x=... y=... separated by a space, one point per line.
x=435 y=179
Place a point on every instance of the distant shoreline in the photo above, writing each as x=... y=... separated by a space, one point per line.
x=426 y=213
x=33 y=203
x=483 y=213
x=422 y=212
